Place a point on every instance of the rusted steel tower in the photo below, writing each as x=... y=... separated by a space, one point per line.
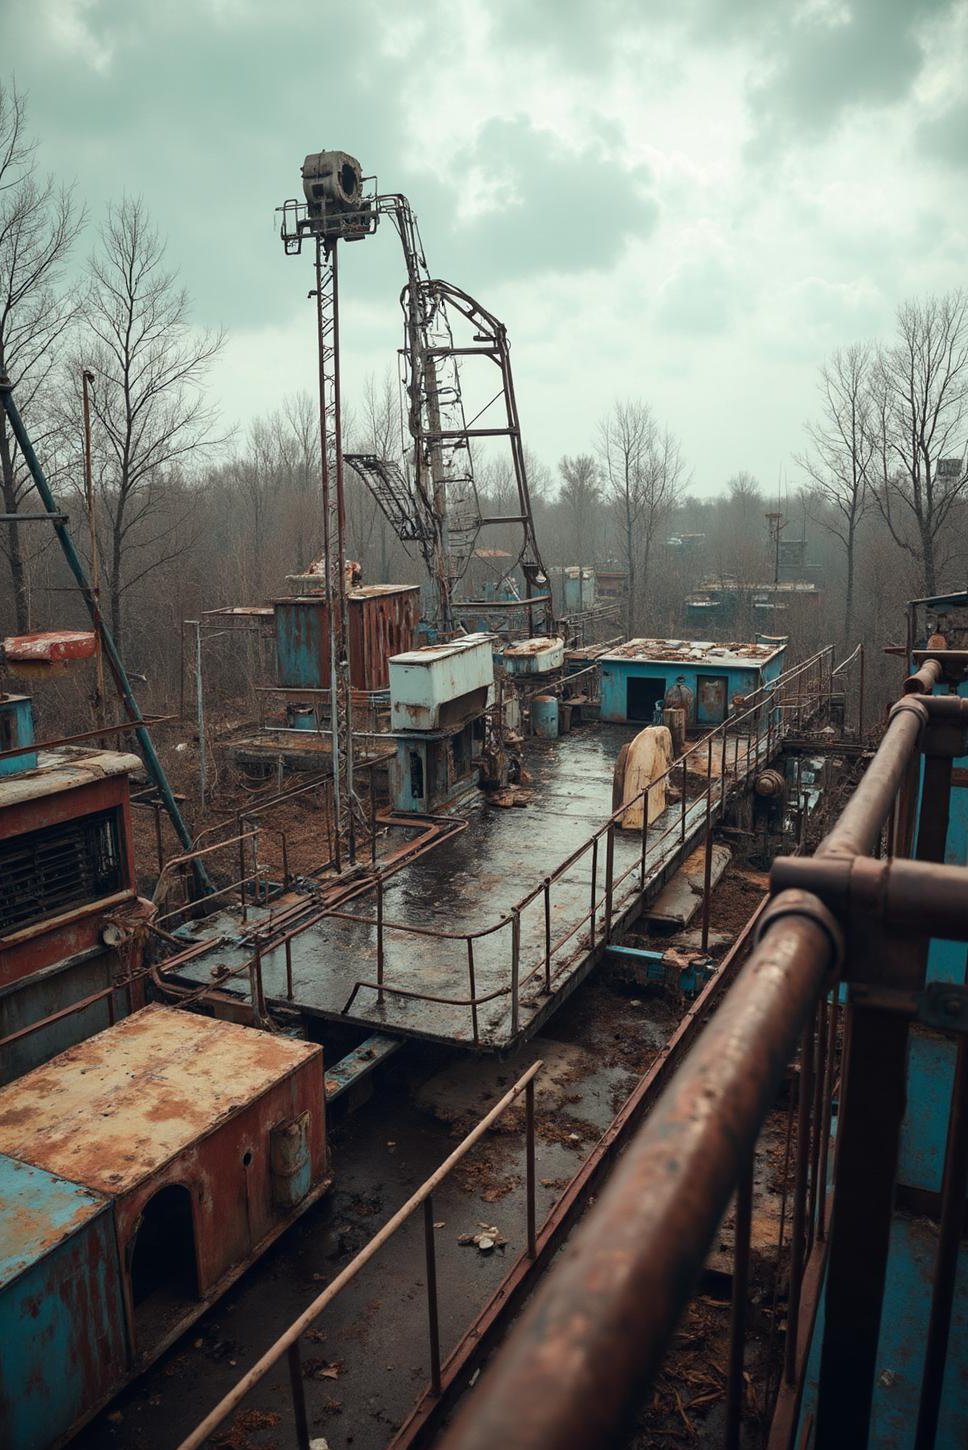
x=334 y=210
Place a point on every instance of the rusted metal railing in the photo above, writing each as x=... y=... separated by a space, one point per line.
x=762 y=738
x=288 y=1343
x=760 y=726
x=609 y=1308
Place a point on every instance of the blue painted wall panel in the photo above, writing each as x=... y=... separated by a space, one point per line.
x=62 y=1327
x=615 y=675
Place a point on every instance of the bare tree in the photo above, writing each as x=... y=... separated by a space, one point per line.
x=643 y=477
x=921 y=413
x=580 y=495
x=842 y=452
x=152 y=419
x=39 y=224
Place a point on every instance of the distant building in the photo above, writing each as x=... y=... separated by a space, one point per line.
x=638 y=674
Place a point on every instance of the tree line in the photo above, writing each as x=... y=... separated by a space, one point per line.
x=189 y=518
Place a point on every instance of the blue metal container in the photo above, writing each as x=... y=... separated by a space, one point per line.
x=16 y=728
x=63 y=1346
x=544 y=716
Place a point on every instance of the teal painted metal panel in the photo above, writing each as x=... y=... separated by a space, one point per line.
x=900 y=1353
x=615 y=675
x=62 y=1327
x=17 y=728
x=302 y=643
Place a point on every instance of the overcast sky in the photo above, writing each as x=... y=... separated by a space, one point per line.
x=686 y=201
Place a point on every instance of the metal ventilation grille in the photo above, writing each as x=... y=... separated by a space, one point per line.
x=46 y=872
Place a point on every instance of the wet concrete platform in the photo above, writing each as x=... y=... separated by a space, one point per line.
x=469 y=886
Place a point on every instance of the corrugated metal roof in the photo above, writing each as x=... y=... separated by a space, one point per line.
x=65 y=768
x=37 y=1211
x=112 y=1110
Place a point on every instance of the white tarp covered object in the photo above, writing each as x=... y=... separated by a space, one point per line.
x=642 y=761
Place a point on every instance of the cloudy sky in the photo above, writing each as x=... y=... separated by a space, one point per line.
x=685 y=201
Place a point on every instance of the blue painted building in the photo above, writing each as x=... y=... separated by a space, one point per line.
x=637 y=675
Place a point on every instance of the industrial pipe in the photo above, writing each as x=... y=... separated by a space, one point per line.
x=597 y=1329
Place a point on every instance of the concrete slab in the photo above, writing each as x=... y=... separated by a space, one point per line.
x=680 y=899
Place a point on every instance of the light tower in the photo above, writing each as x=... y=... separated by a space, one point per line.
x=334 y=209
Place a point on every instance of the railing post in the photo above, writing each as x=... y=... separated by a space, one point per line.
x=798 y=1227
x=372 y=820
x=288 y=968
x=546 y=889
x=609 y=873
x=529 y=1158
x=515 y=967
x=432 y=1293
x=737 y=1319
x=591 y=928
x=645 y=829
x=682 y=823
x=708 y=858
x=379 y=940
x=825 y=1111
x=473 y=987
x=860 y=699
x=242 y=899
x=298 y=1395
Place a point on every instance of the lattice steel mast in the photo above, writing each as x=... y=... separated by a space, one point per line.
x=334 y=210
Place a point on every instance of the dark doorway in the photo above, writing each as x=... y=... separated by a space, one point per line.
x=642 y=697
x=164 y=1279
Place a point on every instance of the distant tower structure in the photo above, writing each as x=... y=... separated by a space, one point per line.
x=334 y=209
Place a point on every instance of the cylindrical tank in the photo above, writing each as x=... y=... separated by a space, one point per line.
x=544 y=716
x=770 y=785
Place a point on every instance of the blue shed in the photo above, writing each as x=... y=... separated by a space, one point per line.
x=636 y=675
x=62 y=1323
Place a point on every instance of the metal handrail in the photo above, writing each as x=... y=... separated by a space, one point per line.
x=704 y=742
x=288 y=1342
x=632 y=1265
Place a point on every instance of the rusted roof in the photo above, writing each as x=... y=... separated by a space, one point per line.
x=734 y=653
x=374 y=591
x=536 y=646
x=51 y=646
x=112 y=1110
x=65 y=768
x=427 y=653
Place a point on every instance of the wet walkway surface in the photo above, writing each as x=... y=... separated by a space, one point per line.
x=470 y=884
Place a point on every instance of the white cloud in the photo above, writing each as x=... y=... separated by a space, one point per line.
x=70 y=25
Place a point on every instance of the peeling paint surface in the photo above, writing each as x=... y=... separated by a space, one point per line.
x=62 y=1338
x=112 y=1111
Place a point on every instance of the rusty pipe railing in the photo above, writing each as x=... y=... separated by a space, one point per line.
x=596 y=1331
